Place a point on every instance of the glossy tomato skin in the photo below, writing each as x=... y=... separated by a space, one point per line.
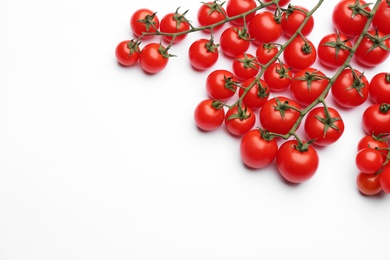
x=208 y=116
x=245 y=66
x=152 y=59
x=368 y=184
x=293 y=19
x=257 y=95
x=369 y=57
x=347 y=91
x=330 y=51
x=234 y=41
x=257 y=152
x=376 y=119
x=300 y=55
x=307 y=85
x=210 y=13
x=369 y=141
x=369 y=160
x=221 y=84
x=139 y=27
x=202 y=56
x=345 y=21
x=276 y=118
x=174 y=23
x=266 y=52
x=278 y=77
x=237 y=7
x=320 y=130
x=127 y=52
x=296 y=166
x=385 y=180
x=239 y=123
x=379 y=91
x=263 y=28
x=381 y=19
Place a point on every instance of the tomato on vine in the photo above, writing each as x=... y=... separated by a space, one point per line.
x=239 y=120
x=293 y=18
x=369 y=160
x=381 y=18
x=203 y=54
x=374 y=142
x=127 y=52
x=281 y=3
x=300 y=54
x=237 y=7
x=256 y=95
x=245 y=66
x=174 y=23
x=368 y=184
x=333 y=50
x=210 y=13
x=373 y=50
x=153 y=58
x=144 y=21
x=278 y=77
x=234 y=41
x=376 y=119
x=258 y=149
x=209 y=114
x=266 y=52
x=264 y=27
x=221 y=84
x=379 y=91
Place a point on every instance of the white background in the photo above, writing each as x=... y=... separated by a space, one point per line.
x=98 y=161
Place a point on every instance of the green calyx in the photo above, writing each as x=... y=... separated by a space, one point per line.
x=241 y=113
x=148 y=21
x=133 y=46
x=338 y=45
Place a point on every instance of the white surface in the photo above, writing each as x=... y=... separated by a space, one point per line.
x=98 y=161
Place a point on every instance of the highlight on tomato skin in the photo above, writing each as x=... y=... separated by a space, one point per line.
x=368 y=184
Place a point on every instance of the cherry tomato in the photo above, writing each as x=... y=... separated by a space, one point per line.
x=263 y=28
x=369 y=160
x=333 y=50
x=385 y=180
x=234 y=41
x=324 y=127
x=239 y=120
x=278 y=77
x=373 y=49
x=373 y=142
x=307 y=85
x=210 y=13
x=293 y=18
x=379 y=91
x=237 y=7
x=350 y=89
x=266 y=52
x=203 y=54
x=278 y=116
x=127 y=52
x=376 y=119
x=209 y=114
x=295 y=164
x=382 y=17
x=144 y=21
x=300 y=54
x=258 y=150
x=257 y=95
x=368 y=184
x=347 y=19
x=174 y=23
x=221 y=84
x=281 y=3
x=245 y=66
x=153 y=58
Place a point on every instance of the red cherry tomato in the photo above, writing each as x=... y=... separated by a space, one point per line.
x=376 y=119
x=379 y=91
x=373 y=49
x=174 y=23
x=127 y=52
x=368 y=184
x=382 y=17
x=210 y=13
x=153 y=58
x=234 y=41
x=266 y=52
x=239 y=120
x=263 y=28
x=257 y=95
x=293 y=18
x=245 y=66
x=333 y=50
x=209 y=114
x=281 y=3
x=278 y=77
x=369 y=160
x=373 y=142
x=203 y=54
x=237 y=7
x=300 y=54
x=144 y=21
x=221 y=84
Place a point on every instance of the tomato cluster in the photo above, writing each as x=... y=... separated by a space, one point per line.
x=268 y=95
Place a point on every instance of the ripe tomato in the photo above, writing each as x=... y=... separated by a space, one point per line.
x=237 y=7
x=210 y=13
x=245 y=66
x=379 y=91
x=368 y=184
x=300 y=54
x=266 y=52
x=281 y=3
x=385 y=179
x=264 y=28
x=234 y=41
x=323 y=127
x=258 y=150
x=350 y=89
x=376 y=119
x=257 y=95
x=293 y=18
x=373 y=142
x=333 y=50
x=221 y=85
x=373 y=49
x=203 y=54
x=307 y=85
x=174 y=23
x=279 y=114
x=209 y=114
x=144 y=21
x=153 y=58
x=239 y=120
x=369 y=160
x=347 y=19
x=278 y=77
x=127 y=52
x=295 y=164
x=382 y=17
